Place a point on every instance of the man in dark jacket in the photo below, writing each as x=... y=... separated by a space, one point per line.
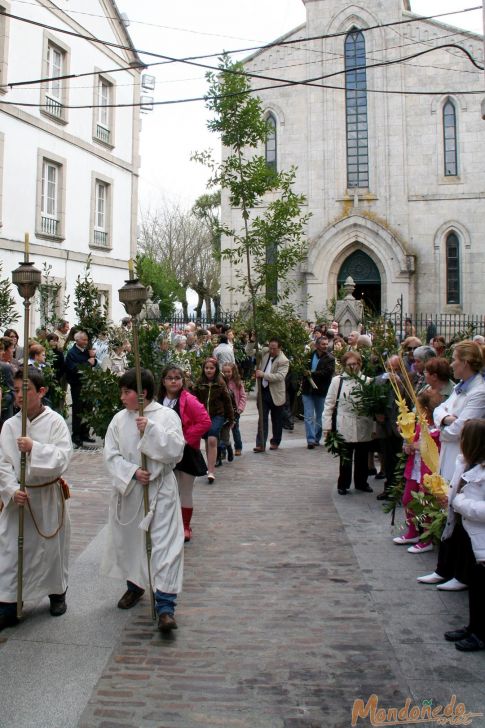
x=321 y=368
x=77 y=357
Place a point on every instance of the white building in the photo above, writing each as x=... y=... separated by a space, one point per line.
x=390 y=155
x=69 y=176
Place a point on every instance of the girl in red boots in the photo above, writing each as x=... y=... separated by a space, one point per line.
x=195 y=423
x=414 y=472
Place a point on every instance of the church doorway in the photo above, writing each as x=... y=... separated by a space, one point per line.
x=367 y=279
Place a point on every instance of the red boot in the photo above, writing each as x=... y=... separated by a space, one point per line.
x=186 y=517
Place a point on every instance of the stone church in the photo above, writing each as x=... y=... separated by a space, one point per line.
x=389 y=141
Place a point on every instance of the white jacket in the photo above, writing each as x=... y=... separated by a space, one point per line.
x=470 y=503
x=352 y=427
x=465 y=406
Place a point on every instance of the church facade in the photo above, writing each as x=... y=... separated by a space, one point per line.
x=389 y=142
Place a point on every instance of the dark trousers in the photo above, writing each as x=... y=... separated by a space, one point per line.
x=476 y=601
x=391 y=448
x=276 y=419
x=358 y=452
x=455 y=556
x=79 y=429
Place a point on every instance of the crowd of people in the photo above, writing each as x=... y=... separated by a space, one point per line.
x=200 y=396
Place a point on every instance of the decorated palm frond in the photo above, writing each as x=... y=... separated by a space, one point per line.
x=335 y=445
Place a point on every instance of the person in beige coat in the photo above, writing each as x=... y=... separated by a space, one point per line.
x=272 y=373
x=355 y=429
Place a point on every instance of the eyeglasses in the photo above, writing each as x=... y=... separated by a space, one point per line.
x=173 y=379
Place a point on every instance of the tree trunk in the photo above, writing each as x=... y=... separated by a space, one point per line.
x=200 y=303
x=217 y=306
x=208 y=307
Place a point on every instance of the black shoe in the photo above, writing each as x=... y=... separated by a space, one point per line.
x=77 y=442
x=380 y=476
x=130 y=598
x=310 y=446
x=342 y=491
x=457 y=634
x=218 y=463
x=472 y=643
x=58 y=604
x=365 y=489
x=230 y=454
x=383 y=496
x=8 y=620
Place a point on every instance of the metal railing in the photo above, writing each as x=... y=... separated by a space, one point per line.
x=49 y=225
x=427 y=325
x=103 y=134
x=54 y=107
x=101 y=238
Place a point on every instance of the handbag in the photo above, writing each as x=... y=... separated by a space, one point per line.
x=335 y=409
x=192 y=462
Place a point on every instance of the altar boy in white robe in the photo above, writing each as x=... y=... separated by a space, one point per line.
x=46 y=518
x=158 y=435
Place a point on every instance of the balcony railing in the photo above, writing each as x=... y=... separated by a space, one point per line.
x=49 y=225
x=103 y=134
x=101 y=238
x=54 y=107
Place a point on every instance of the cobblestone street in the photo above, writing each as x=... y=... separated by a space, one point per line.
x=295 y=604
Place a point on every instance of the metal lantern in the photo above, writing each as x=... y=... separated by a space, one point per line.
x=133 y=295
x=27 y=278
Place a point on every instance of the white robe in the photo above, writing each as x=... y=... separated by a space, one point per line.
x=163 y=444
x=45 y=560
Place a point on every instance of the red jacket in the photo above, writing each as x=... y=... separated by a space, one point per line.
x=195 y=418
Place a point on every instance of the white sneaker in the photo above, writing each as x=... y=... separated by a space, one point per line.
x=420 y=548
x=401 y=540
x=452 y=585
x=433 y=578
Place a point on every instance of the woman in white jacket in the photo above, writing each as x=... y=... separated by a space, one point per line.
x=355 y=429
x=467 y=504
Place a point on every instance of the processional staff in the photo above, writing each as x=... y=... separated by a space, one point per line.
x=27 y=278
x=133 y=295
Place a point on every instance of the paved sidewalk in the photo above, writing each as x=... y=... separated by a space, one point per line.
x=295 y=603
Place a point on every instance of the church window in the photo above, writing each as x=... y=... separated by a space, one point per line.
x=356 y=110
x=271 y=148
x=452 y=269
x=450 y=139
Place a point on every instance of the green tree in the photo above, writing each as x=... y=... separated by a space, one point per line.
x=8 y=307
x=268 y=242
x=161 y=278
x=92 y=316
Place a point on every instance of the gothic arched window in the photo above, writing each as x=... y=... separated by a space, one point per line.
x=356 y=110
x=452 y=269
x=271 y=148
x=450 y=139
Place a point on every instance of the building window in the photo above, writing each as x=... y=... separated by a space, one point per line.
x=356 y=110
x=271 y=146
x=101 y=213
x=51 y=193
x=54 y=90
x=453 y=269
x=450 y=139
x=103 y=117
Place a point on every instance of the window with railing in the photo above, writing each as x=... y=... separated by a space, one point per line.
x=54 y=88
x=50 y=199
x=356 y=110
x=102 y=205
x=450 y=139
x=103 y=111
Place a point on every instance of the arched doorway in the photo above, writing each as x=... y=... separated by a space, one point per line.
x=367 y=278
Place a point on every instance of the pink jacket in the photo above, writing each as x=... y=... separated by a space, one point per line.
x=195 y=418
x=239 y=393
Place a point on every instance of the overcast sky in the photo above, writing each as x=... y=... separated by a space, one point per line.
x=193 y=27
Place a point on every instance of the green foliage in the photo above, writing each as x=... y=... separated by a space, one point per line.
x=267 y=246
x=161 y=278
x=149 y=355
x=91 y=317
x=101 y=395
x=8 y=312
x=335 y=445
x=369 y=399
x=429 y=515
x=206 y=208
x=396 y=491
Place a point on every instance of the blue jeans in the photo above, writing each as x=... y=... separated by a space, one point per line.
x=313 y=410
x=165 y=603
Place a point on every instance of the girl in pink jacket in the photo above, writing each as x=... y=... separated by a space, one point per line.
x=235 y=385
x=195 y=423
